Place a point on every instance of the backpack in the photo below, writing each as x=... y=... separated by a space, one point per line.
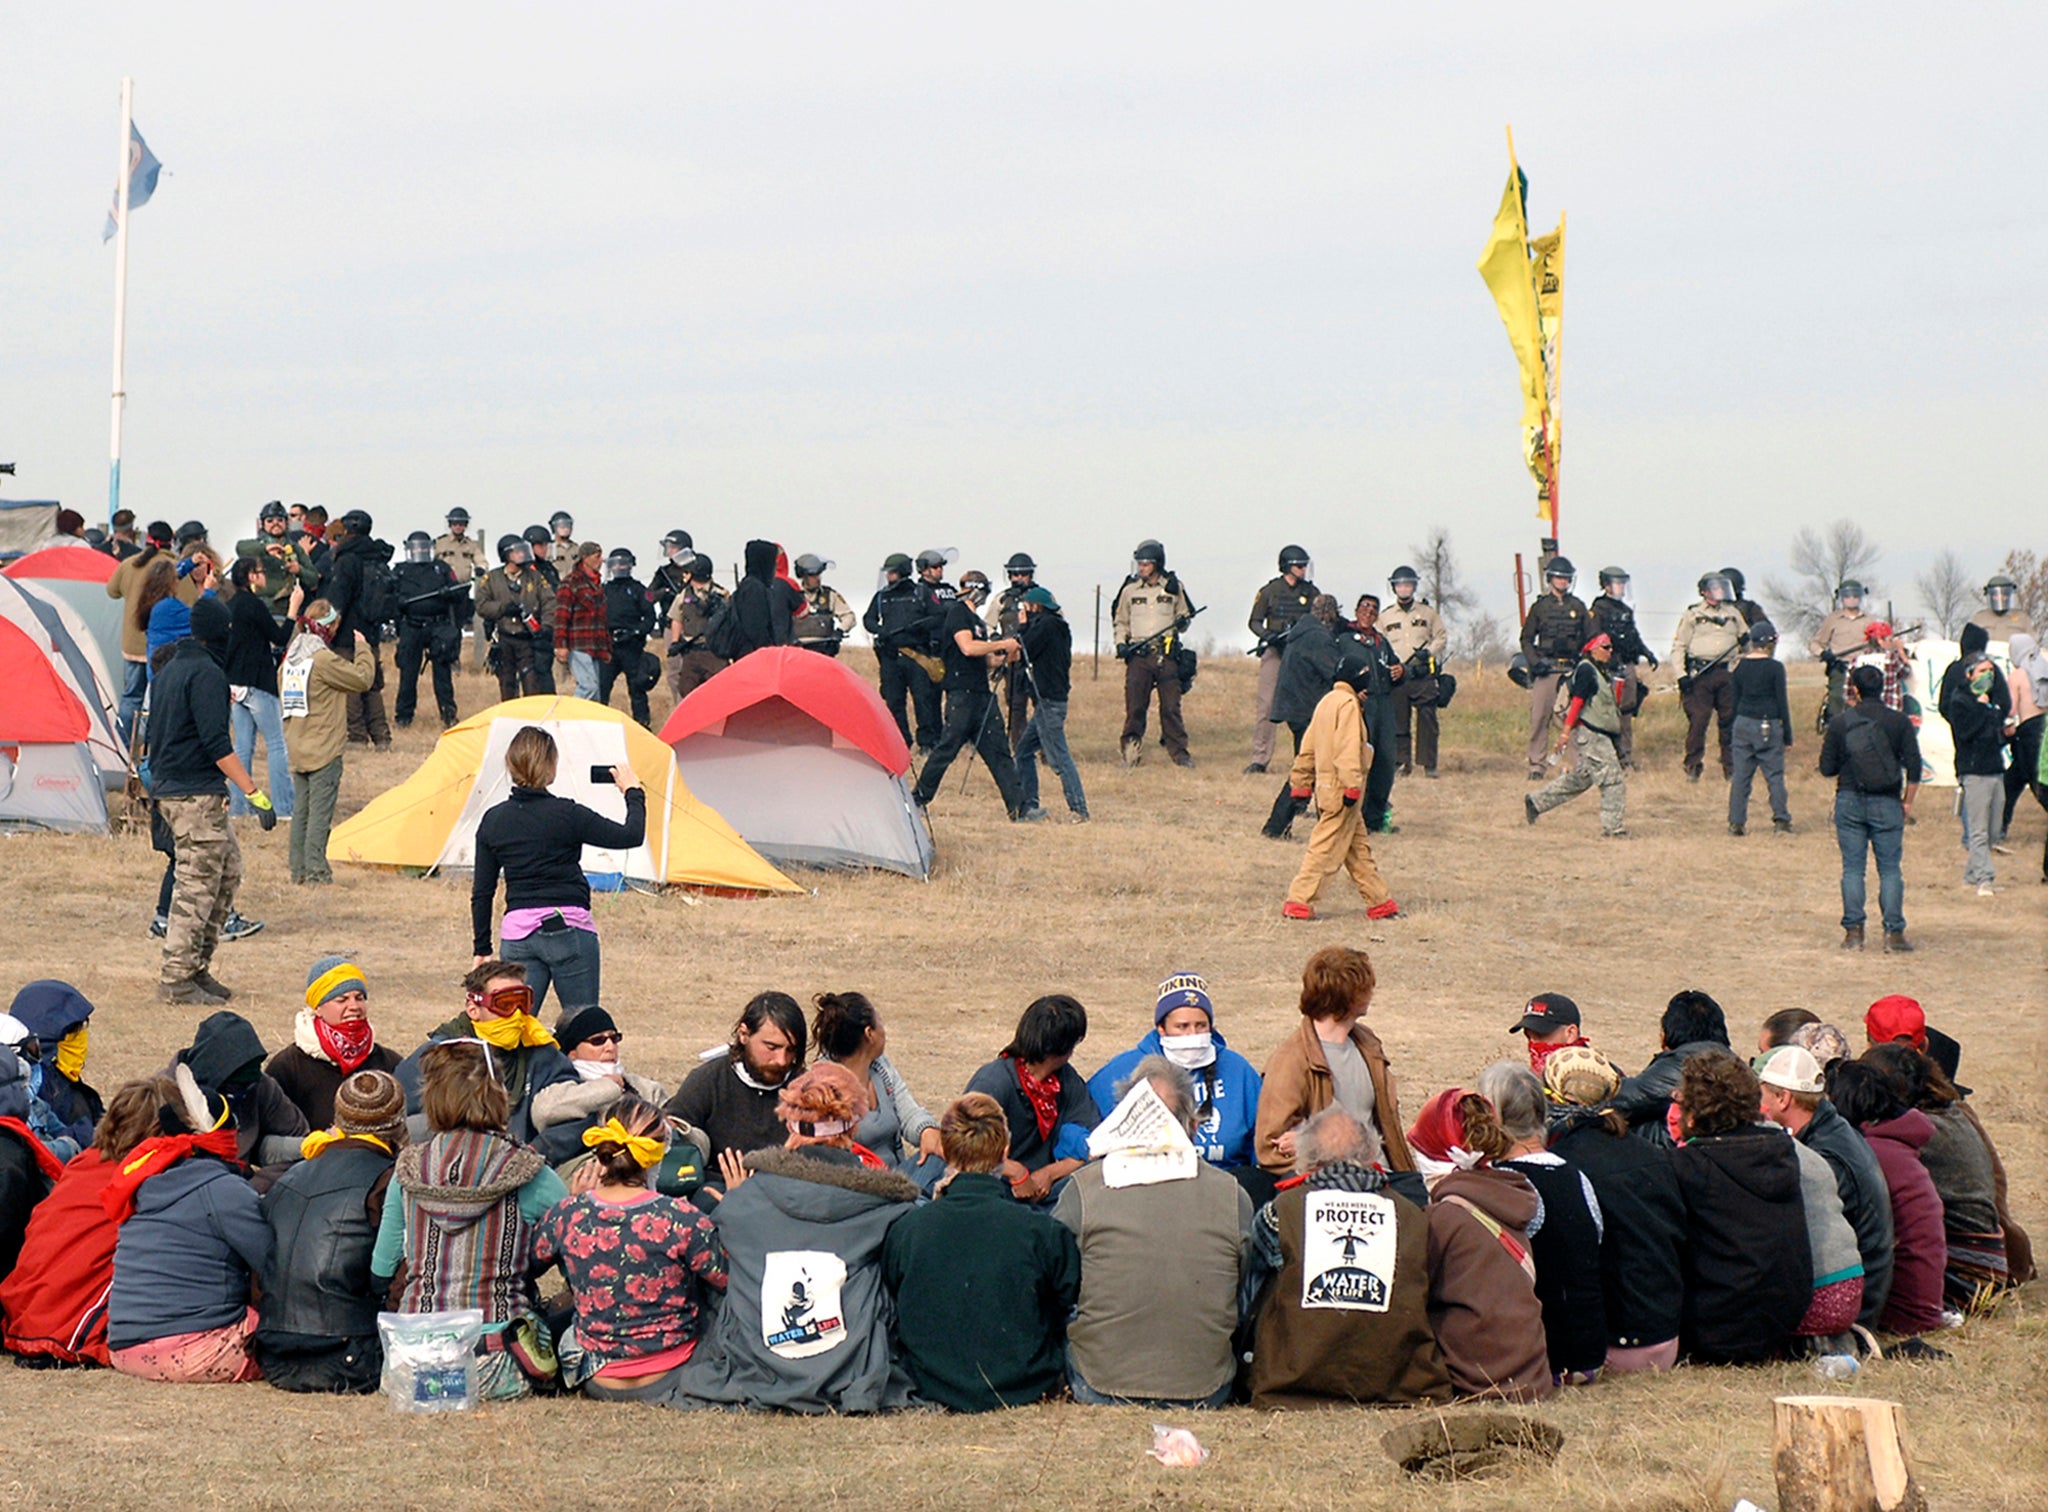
x=1868 y=758
x=377 y=601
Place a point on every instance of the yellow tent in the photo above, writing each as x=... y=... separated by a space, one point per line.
x=429 y=820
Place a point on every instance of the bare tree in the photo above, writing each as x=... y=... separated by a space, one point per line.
x=2031 y=573
x=1946 y=593
x=1821 y=560
x=1482 y=639
x=1442 y=583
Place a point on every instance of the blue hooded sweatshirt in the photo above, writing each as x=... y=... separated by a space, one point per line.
x=1226 y=1093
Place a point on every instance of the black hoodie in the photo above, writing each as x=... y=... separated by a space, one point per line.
x=224 y=1044
x=188 y=722
x=762 y=609
x=1748 y=1267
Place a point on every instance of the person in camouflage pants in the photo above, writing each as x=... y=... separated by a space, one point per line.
x=209 y=871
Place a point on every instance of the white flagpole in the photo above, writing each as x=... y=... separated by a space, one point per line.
x=120 y=293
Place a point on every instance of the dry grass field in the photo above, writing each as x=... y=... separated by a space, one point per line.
x=1171 y=875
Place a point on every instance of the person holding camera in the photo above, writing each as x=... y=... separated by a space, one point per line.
x=286 y=564
x=535 y=841
x=518 y=607
x=1150 y=611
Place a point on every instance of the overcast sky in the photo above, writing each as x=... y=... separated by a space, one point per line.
x=870 y=278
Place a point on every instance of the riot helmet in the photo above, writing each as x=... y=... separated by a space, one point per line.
x=419 y=547
x=1294 y=556
x=457 y=516
x=2001 y=593
x=536 y=535
x=1614 y=582
x=1561 y=567
x=359 y=523
x=677 y=546
x=189 y=532
x=1737 y=583
x=513 y=549
x=1020 y=565
x=1715 y=588
x=1402 y=577
x=810 y=564
x=274 y=510
x=930 y=558
x=1149 y=551
x=620 y=562
x=1848 y=594
x=699 y=570
x=562 y=523
x=897 y=566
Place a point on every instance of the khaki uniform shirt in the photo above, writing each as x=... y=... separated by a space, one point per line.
x=1142 y=610
x=824 y=613
x=1840 y=634
x=464 y=556
x=2004 y=626
x=1416 y=628
x=1706 y=632
x=562 y=554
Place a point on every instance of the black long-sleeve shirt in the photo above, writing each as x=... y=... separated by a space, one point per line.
x=253 y=633
x=535 y=841
x=1898 y=731
x=1760 y=691
x=1049 y=643
x=188 y=725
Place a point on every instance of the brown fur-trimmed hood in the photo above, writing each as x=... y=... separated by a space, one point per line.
x=794 y=1165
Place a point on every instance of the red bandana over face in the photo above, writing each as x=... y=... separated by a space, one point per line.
x=347 y=1045
x=1043 y=1095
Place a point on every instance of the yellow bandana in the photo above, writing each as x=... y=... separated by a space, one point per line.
x=512 y=1031
x=322 y=987
x=71 y=1054
x=320 y=1139
x=644 y=1148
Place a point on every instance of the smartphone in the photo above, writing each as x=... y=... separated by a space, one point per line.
x=600 y=776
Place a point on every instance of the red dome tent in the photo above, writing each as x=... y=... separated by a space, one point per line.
x=48 y=778
x=803 y=759
x=78 y=576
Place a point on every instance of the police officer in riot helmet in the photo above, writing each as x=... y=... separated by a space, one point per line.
x=697 y=604
x=1275 y=609
x=1006 y=617
x=432 y=608
x=1616 y=617
x=970 y=704
x=1710 y=636
x=1738 y=595
x=1552 y=637
x=518 y=607
x=1150 y=611
x=466 y=558
x=541 y=544
x=826 y=618
x=667 y=579
x=561 y=546
x=904 y=617
x=629 y=616
x=1416 y=632
x=2002 y=617
x=1841 y=638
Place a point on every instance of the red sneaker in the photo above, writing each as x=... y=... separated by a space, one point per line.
x=1293 y=910
x=1387 y=910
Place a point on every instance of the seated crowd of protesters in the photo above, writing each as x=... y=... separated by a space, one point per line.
x=791 y=1229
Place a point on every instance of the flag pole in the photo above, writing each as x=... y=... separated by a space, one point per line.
x=1557 y=384
x=120 y=294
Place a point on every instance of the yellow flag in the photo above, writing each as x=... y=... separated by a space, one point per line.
x=1547 y=254
x=1509 y=276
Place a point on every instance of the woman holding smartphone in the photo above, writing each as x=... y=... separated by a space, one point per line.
x=535 y=841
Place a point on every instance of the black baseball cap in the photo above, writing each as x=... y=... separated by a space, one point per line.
x=1546 y=1013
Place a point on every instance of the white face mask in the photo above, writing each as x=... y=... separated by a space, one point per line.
x=1190 y=1052
x=597 y=1070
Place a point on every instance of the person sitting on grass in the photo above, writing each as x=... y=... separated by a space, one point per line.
x=469 y=1198
x=498 y=1010
x=846 y=1029
x=27 y=1168
x=56 y=1013
x=1967 y=1173
x=53 y=1305
x=983 y=1283
x=1779 y=1028
x=1749 y=1264
x=317 y=1303
x=332 y=1039
x=1341 y=1274
x=1692 y=1024
x=805 y=1325
x=1041 y=1093
x=1566 y=1244
x=1549 y=1022
x=1483 y=1307
x=1787 y=1072
x=643 y=1268
x=191 y=1239
x=1642 y=1240
x=226 y=1056
x=1226 y=1084
x=734 y=1096
x=1162 y=1260
x=1869 y=1102
x=562 y=1113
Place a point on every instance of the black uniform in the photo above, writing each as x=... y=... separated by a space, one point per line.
x=1379 y=724
x=663 y=586
x=629 y=614
x=1308 y=670
x=1016 y=684
x=544 y=643
x=430 y=621
x=970 y=714
x=1614 y=618
x=905 y=616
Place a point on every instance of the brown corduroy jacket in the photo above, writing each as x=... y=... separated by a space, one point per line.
x=1297 y=1083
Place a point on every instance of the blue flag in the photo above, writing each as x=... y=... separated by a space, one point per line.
x=142 y=171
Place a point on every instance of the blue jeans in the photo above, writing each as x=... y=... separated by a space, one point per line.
x=1088 y=1396
x=583 y=671
x=568 y=958
x=1048 y=732
x=134 y=683
x=1874 y=822
x=261 y=713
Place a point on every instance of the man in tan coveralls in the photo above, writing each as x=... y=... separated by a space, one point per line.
x=1331 y=767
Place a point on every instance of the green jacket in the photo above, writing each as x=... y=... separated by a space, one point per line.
x=274 y=554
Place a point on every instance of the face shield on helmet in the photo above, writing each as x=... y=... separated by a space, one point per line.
x=519 y=554
x=1296 y=558
x=1561 y=567
x=677 y=547
x=1716 y=589
x=939 y=557
x=1020 y=565
x=896 y=567
x=811 y=565
x=419 y=547
x=2000 y=594
x=620 y=564
x=1148 y=551
x=562 y=523
x=1614 y=582
x=1849 y=595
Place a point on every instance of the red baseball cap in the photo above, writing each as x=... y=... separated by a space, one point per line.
x=1896 y=1018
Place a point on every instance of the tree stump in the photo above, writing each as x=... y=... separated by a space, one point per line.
x=1842 y=1454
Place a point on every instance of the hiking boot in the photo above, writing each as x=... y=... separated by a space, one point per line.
x=1028 y=816
x=403 y=724
x=160 y=926
x=1300 y=911
x=1620 y=834
x=1692 y=774
x=1281 y=834
x=1852 y=937
x=1537 y=775
x=188 y=994
x=1183 y=759
x=1255 y=769
x=1782 y=826
x=1430 y=773
x=239 y=928
x=1529 y=808
x=1916 y=1349
x=1078 y=816
x=207 y=980
x=1133 y=751
x=1738 y=830
x=1387 y=910
x=1896 y=943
